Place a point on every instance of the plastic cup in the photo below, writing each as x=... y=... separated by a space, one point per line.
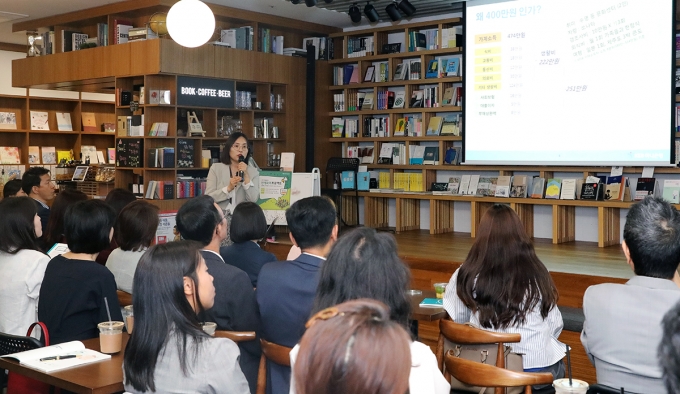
x=209 y=327
x=110 y=336
x=562 y=386
x=439 y=289
x=129 y=318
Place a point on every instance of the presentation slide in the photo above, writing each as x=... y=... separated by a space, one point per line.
x=576 y=82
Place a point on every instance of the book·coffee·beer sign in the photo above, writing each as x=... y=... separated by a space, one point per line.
x=205 y=92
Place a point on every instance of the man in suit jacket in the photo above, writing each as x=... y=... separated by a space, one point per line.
x=286 y=289
x=235 y=309
x=38 y=185
x=622 y=329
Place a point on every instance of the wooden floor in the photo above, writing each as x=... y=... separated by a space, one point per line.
x=574 y=266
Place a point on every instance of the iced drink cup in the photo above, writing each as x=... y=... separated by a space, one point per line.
x=577 y=387
x=209 y=327
x=129 y=319
x=110 y=336
x=439 y=289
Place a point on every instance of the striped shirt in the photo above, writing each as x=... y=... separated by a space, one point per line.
x=539 y=344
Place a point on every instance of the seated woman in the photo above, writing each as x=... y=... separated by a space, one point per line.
x=134 y=232
x=117 y=199
x=22 y=264
x=54 y=233
x=13 y=189
x=168 y=351
x=353 y=347
x=248 y=225
x=75 y=287
x=364 y=264
x=502 y=286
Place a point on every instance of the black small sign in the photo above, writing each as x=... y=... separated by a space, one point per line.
x=205 y=92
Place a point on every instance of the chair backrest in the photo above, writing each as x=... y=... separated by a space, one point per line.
x=468 y=335
x=479 y=374
x=14 y=343
x=236 y=336
x=124 y=298
x=340 y=164
x=602 y=389
x=275 y=353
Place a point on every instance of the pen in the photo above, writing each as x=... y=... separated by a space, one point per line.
x=58 y=357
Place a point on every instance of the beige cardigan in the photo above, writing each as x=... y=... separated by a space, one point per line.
x=218 y=180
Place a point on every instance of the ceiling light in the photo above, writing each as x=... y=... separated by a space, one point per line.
x=393 y=12
x=310 y=3
x=355 y=13
x=371 y=13
x=190 y=23
x=407 y=8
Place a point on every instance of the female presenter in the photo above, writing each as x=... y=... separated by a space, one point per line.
x=235 y=178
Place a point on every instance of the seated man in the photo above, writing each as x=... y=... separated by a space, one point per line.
x=286 y=289
x=669 y=350
x=37 y=184
x=235 y=309
x=622 y=328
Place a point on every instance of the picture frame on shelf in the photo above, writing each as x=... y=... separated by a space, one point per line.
x=195 y=127
x=368 y=77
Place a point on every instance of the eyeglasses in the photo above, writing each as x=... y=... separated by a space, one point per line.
x=240 y=147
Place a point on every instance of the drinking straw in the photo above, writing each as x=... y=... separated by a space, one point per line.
x=569 y=366
x=622 y=392
x=108 y=312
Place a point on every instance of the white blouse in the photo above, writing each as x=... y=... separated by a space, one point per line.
x=123 y=264
x=425 y=377
x=21 y=275
x=539 y=344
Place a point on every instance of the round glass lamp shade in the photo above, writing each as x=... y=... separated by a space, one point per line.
x=190 y=23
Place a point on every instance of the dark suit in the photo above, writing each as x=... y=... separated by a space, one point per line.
x=285 y=295
x=44 y=214
x=235 y=309
x=247 y=256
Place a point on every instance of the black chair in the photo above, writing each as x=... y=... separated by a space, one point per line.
x=10 y=344
x=602 y=389
x=336 y=165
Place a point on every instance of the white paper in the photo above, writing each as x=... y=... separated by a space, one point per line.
x=57 y=250
x=647 y=172
x=616 y=171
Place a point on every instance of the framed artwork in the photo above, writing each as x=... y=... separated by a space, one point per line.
x=368 y=77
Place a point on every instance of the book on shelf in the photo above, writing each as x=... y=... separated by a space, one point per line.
x=385 y=156
x=78 y=39
x=417 y=41
x=89 y=121
x=538 y=188
x=474 y=183
x=49 y=155
x=613 y=189
x=568 y=190
x=448 y=97
x=416 y=99
x=39 y=120
x=367 y=103
x=453 y=67
x=484 y=187
x=8 y=121
x=401 y=72
x=159 y=129
x=360 y=46
x=399 y=99
x=464 y=185
x=452 y=37
x=89 y=152
x=33 y=155
x=432 y=69
x=590 y=190
x=552 y=189
x=503 y=186
x=416 y=154
x=431 y=156
x=451 y=125
x=400 y=127
x=10 y=155
x=414 y=70
x=64 y=121
x=452 y=155
x=432 y=303
x=519 y=186
x=435 y=126
x=646 y=187
x=51 y=358
x=337 y=127
x=671 y=191
x=454 y=185
x=121 y=28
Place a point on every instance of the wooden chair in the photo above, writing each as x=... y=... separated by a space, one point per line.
x=124 y=298
x=478 y=374
x=275 y=353
x=236 y=336
x=467 y=335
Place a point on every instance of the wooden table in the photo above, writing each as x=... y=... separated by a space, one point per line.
x=425 y=314
x=104 y=377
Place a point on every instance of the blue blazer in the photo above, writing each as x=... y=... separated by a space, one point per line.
x=285 y=295
x=247 y=256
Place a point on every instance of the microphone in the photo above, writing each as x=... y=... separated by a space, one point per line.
x=241 y=159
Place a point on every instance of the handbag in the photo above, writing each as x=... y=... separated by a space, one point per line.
x=486 y=354
x=20 y=384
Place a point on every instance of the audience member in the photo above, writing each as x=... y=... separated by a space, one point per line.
x=502 y=286
x=285 y=289
x=669 y=350
x=134 y=232
x=201 y=219
x=74 y=288
x=354 y=347
x=22 y=264
x=54 y=233
x=13 y=189
x=117 y=199
x=38 y=185
x=623 y=328
x=168 y=351
x=248 y=226
x=365 y=264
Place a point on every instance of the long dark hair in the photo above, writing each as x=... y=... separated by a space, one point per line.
x=502 y=279
x=231 y=140
x=364 y=264
x=55 y=225
x=17 y=228
x=161 y=307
